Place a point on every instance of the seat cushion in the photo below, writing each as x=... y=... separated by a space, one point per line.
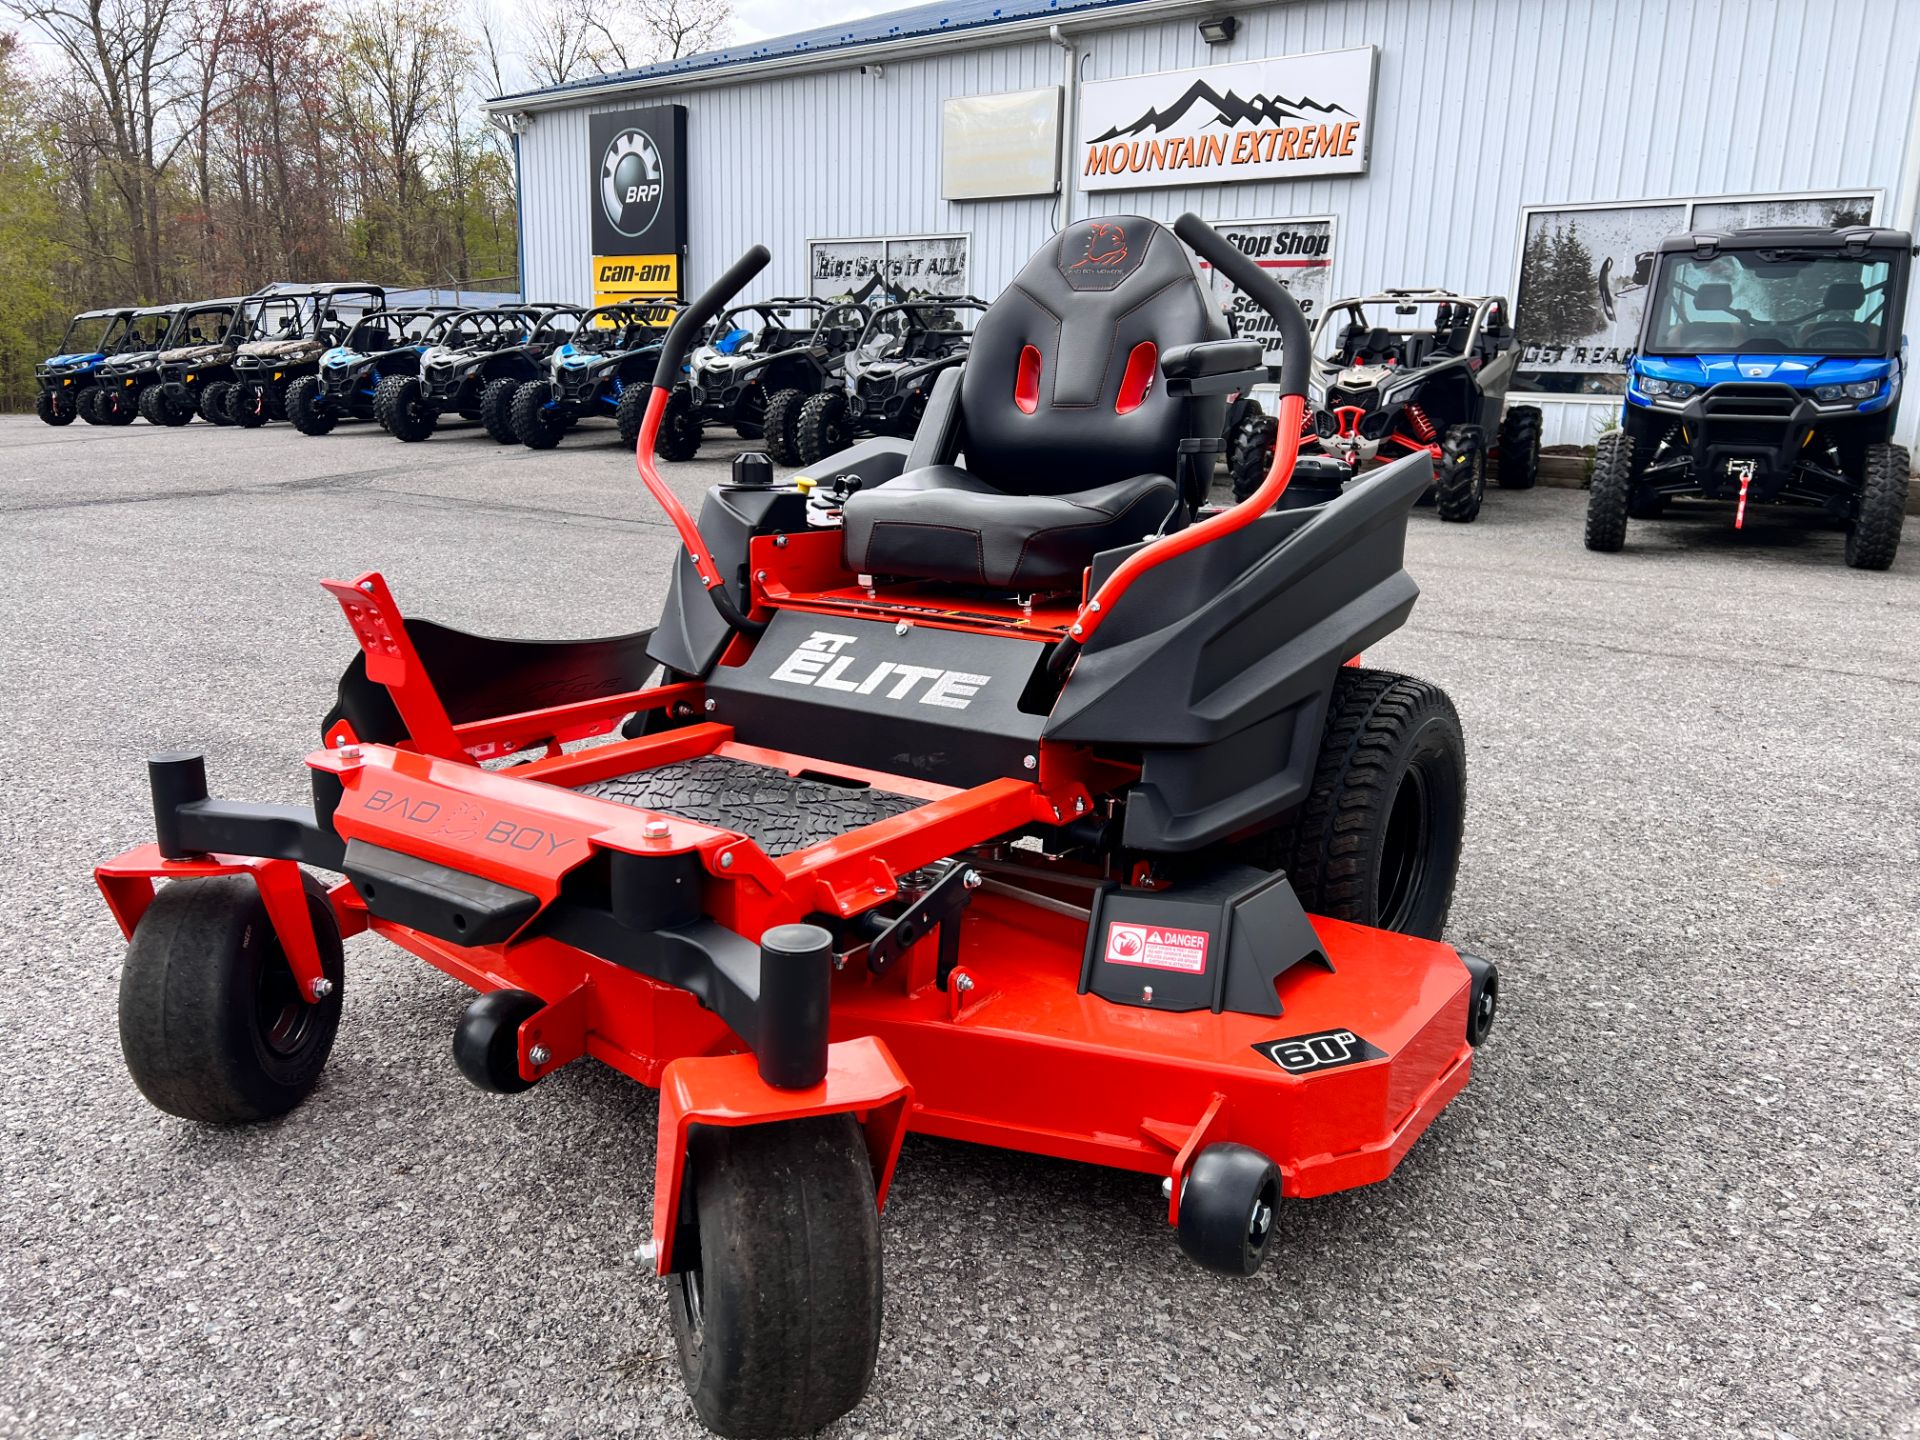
x=942 y=523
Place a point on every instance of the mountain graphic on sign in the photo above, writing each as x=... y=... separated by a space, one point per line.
x=1229 y=109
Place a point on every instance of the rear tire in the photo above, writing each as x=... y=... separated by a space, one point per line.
x=1874 y=536
x=403 y=409
x=1520 y=448
x=1611 y=492
x=680 y=433
x=822 y=428
x=1250 y=455
x=496 y=409
x=1377 y=841
x=54 y=407
x=783 y=415
x=1460 y=478
x=246 y=404
x=213 y=403
x=212 y=1024
x=778 y=1324
x=307 y=408
x=534 y=425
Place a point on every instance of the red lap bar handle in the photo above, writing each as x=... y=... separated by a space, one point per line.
x=665 y=376
x=1296 y=343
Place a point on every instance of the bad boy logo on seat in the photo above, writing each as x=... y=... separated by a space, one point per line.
x=1097 y=255
x=826 y=661
x=632 y=181
x=1106 y=245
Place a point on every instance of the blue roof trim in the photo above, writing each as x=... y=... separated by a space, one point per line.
x=947 y=17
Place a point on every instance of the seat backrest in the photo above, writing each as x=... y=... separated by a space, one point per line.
x=1062 y=388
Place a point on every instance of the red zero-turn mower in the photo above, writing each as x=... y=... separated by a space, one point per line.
x=987 y=801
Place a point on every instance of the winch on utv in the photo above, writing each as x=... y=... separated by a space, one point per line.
x=1027 y=801
x=1768 y=372
x=477 y=372
x=757 y=369
x=602 y=370
x=886 y=377
x=1410 y=372
x=381 y=347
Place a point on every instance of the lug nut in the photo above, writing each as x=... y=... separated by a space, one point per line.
x=321 y=987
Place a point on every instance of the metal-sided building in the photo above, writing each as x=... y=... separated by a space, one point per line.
x=1536 y=149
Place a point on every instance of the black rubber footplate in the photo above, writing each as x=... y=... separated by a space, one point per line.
x=781 y=812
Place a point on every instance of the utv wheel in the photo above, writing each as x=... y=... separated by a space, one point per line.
x=1377 y=840
x=118 y=406
x=1227 y=1208
x=750 y=413
x=1874 y=535
x=403 y=408
x=174 y=413
x=54 y=407
x=679 y=437
x=153 y=406
x=1520 y=448
x=247 y=404
x=822 y=428
x=1460 y=475
x=1250 y=455
x=777 y=1318
x=496 y=409
x=1611 y=492
x=783 y=417
x=538 y=424
x=307 y=408
x=212 y=1022
x=87 y=405
x=631 y=414
x=213 y=403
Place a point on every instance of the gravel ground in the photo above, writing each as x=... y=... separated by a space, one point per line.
x=1677 y=1199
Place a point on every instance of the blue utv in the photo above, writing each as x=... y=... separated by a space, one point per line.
x=67 y=379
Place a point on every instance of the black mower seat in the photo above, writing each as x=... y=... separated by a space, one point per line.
x=1069 y=432
x=943 y=523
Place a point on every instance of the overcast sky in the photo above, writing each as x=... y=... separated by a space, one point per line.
x=758 y=19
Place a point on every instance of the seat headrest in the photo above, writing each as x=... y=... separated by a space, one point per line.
x=1714 y=295
x=1847 y=295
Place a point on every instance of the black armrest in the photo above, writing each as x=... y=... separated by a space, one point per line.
x=1211 y=357
x=936 y=440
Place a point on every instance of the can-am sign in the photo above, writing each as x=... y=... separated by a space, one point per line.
x=1278 y=119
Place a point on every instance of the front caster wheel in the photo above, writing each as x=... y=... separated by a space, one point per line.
x=486 y=1042
x=778 y=1315
x=1483 y=1000
x=212 y=1021
x=1226 y=1209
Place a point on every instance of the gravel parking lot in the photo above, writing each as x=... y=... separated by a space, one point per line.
x=1678 y=1198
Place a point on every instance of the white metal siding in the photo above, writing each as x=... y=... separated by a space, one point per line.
x=1482 y=107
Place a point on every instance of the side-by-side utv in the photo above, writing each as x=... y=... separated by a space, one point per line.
x=66 y=379
x=1768 y=372
x=197 y=376
x=380 y=347
x=477 y=370
x=600 y=371
x=1009 y=794
x=196 y=330
x=757 y=369
x=273 y=358
x=886 y=377
x=125 y=375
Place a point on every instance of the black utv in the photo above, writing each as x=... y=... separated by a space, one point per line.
x=265 y=366
x=477 y=366
x=887 y=375
x=1768 y=372
x=124 y=375
x=757 y=369
x=603 y=370
x=196 y=376
x=195 y=329
x=381 y=345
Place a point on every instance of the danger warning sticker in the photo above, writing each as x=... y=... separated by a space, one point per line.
x=1158 y=947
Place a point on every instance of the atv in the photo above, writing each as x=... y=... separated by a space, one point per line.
x=124 y=376
x=1405 y=371
x=382 y=346
x=601 y=371
x=887 y=375
x=66 y=379
x=197 y=375
x=268 y=363
x=1768 y=372
x=759 y=367
x=1026 y=803
x=477 y=370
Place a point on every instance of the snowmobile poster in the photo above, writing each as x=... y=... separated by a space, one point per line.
x=1277 y=119
x=910 y=266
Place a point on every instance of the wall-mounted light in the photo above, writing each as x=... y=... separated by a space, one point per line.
x=1219 y=31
